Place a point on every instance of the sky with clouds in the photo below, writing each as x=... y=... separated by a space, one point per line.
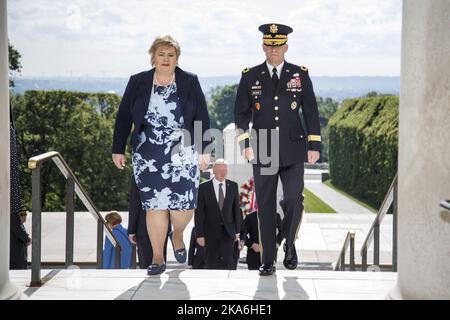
x=111 y=38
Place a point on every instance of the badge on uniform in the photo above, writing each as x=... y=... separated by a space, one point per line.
x=293 y=105
x=294 y=84
x=256 y=89
x=257 y=106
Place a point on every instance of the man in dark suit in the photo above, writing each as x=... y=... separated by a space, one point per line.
x=270 y=96
x=196 y=255
x=217 y=218
x=253 y=258
x=239 y=245
x=137 y=228
x=19 y=240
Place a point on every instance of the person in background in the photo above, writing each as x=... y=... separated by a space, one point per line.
x=19 y=241
x=114 y=220
x=239 y=245
x=218 y=217
x=196 y=257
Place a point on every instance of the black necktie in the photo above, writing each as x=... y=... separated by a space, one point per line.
x=221 y=197
x=275 y=77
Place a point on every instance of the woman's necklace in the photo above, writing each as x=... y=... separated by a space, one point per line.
x=164 y=85
x=166 y=89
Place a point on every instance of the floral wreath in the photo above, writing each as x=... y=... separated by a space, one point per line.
x=247 y=197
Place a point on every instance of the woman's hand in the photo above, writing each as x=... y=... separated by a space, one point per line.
x=119 y=160
x=248 y=154
x=132 y=238
x=203 y=161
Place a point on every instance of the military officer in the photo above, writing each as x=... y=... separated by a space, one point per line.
x=270 y=95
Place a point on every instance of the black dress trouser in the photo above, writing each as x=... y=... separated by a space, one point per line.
x=266 y=195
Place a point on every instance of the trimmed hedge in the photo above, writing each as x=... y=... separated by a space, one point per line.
x=363 y=146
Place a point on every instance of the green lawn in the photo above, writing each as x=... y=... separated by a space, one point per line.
x=353 y=198
x=314 y=204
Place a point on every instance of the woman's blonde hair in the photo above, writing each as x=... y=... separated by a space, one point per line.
x=160 y=41
x=113 y=218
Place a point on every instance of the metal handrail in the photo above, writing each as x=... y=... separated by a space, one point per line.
x=374 y=232
x=340 y=263
x=73 y=185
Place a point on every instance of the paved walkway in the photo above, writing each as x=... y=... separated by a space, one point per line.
x=337 y=201
x=205 y=285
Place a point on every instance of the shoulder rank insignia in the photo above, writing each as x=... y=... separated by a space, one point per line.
x=246 y=70
x=304 y=68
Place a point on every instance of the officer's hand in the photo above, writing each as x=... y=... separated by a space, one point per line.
x=248 y=154
x=119 y=160
x=313 y=156
x=201 y=241
x=132 y=238
x=255 y=247
x=203 y=161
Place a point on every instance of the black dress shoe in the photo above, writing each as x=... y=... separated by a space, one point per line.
x=267 y=269
x=290 y=258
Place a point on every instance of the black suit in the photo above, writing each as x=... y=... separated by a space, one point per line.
x=218 y=227
x=252 y=236
x=196 y=256
x=137 y=224
x=17 y=244
x=277 y=109
x=242 y=235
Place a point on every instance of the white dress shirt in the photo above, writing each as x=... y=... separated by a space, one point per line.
x=216 y=188
x=279 y=68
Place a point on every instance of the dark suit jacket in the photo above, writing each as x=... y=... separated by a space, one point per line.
x=135 y=102
x=18 y=244
x=251 y=226
x=196 y=257
x=208 y=217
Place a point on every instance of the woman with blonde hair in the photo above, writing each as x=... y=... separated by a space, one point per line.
x=163 y=104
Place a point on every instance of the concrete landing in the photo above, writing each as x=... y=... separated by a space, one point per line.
x=182 y=284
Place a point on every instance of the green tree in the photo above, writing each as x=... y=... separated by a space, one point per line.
x=221 y=107
x=364 y=146
x=327 y=107
x=80 y=127
x=14 y=63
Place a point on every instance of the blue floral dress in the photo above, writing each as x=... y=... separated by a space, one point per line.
x=166 y=171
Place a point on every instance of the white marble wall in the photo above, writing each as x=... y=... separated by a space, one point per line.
x=424 y=152
x=7 y=290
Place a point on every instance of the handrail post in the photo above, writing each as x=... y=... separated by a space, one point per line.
x=99 y=244
x=36 y=227
x=376 y=243
x=364 y=259
x=394 y=227
x=70 y=208
x=352 y=251
x=342 y=262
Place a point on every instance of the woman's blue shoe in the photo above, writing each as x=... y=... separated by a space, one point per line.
x=180 y=254
x=154 y=269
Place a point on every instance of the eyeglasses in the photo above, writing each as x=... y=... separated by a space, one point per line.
x=23 y=214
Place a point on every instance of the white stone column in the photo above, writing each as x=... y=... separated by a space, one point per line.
x=7 y=289
x=424 y=152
